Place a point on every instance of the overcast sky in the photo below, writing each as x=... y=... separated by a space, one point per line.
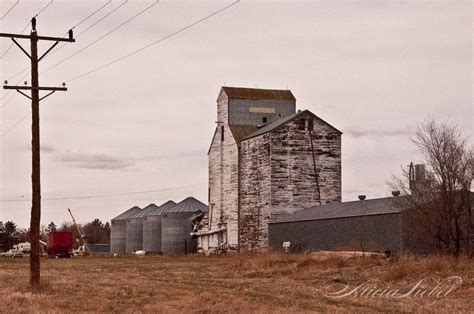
x=373 y=69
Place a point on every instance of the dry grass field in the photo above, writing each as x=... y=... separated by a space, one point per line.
x=238 y=283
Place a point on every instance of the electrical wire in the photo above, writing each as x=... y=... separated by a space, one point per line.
x=11 y=45
x=14 y=5
x=88 y=28
x=44 y=8
x=6 y=102
x=18 y=73
x=14 y=125
x=103 y=195
x=101 y=19
x=147 y=46
x=153 y=43
x=76 y=36
x=101 y=37
x=26 y=26
x=92 y=14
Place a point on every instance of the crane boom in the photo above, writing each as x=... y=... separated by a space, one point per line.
x=83 y=237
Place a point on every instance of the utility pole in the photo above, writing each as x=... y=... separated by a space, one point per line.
x=35 y=131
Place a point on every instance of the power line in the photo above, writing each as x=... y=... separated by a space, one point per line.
x=26 y=26
x=92 y=14
x=64 y=44
x=44 y=8
x=102 y=37
x=147 y=46
x=9 y=10
x=103 y=195
x=14 y=125
x=6 y=102
x=103 y=18
x=88 y=28
x=11 y=45
x=18 y=73
x=153 y=43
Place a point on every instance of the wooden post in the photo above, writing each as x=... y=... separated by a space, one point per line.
x=35 y=137
x=35 y=174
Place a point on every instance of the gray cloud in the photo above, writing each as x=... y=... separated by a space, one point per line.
x=48 y=149
x=369 y=132
x=94 y=161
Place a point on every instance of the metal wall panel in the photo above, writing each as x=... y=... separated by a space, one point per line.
x=240 y=111
x=376 y=233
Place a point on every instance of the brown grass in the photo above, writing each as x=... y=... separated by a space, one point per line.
x=233 y=283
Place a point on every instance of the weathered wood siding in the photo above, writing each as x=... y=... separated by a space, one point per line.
x=294 y=182
x=255 y=192
x=278 y=176
x=223 y=176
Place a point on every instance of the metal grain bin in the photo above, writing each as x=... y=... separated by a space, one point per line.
x=177 y=227
x=119 y=230
x=134 y=235
x=152 y=227
x=117 y=237
x=176 y=230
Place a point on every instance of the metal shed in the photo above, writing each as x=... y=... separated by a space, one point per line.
x=119 y=231
x=375 y=225
x=152 y=227
x=177 y=227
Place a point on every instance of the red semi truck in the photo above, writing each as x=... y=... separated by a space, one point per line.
x=60 y=244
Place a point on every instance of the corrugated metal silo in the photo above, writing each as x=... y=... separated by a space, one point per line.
x=134 y=233
x=152 y=227
x=119 y=230
x=176 y=227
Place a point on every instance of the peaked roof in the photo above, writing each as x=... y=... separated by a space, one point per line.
x=378 y=206
x=257 y=93
x=146 y=210
x=189 y=204
x=161 y=209
x=282 y=121
x=128 y=214
x=239 y=132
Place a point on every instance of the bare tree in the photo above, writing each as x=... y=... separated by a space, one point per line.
x=440 y=199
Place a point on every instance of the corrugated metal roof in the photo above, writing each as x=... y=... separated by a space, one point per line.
x=128 y=214
x=379 y=206
x=257 y=93
x=146 y=210
x=189 y=204
x=275 y=124
x=162 y=208
x=242 y=131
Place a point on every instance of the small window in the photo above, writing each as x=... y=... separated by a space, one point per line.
x=264 y=119
x=222 y=133
x=310 y=125
x=301 y=124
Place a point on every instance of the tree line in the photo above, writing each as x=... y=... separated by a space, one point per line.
x=96 y=232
